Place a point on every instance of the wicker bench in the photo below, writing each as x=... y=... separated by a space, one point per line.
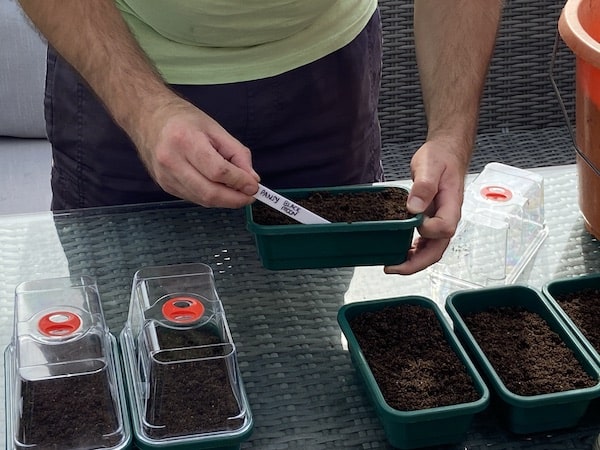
x=521 y=122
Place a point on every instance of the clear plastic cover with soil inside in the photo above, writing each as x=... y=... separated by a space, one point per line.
x=62 y=371
x=181 y=364
x=192 y=392
x=69 y=412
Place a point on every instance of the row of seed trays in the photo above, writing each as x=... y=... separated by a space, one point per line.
x=174 y=381
x=530 y=355
x=537 y=352
x=534 y=353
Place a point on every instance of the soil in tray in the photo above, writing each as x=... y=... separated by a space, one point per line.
x=583 y=308
x=412 y=362
x=190 y=395
x=528 y=356
x=68 y=412
x=360 y=206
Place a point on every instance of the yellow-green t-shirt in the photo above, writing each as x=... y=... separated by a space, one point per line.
x=223 y=41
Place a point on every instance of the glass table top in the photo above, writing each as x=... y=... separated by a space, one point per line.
x=302 y=387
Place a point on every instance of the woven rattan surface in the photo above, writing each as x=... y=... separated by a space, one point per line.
x=518 y=94
x=524 y=149
x=302 y=387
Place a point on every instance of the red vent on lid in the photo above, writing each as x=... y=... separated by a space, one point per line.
x=59 y=323
x=183 y=309
x=496 y=193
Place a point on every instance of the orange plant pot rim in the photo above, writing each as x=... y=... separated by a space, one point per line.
x=575 y=35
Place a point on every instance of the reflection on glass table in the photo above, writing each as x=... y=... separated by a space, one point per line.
x=301 y=385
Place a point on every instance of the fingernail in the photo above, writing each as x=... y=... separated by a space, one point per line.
x=416 y=204
x=250 y=189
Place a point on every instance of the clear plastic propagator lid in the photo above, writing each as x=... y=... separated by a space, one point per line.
x=181 y=362
x=501 y=229
x=63 y=380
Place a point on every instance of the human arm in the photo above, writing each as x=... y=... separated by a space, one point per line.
x=185 y=151
x=454 y=42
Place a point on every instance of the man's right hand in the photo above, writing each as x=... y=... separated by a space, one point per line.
x=192 y=157
x=186 y=152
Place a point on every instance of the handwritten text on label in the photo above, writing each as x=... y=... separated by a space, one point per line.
x=269 y=195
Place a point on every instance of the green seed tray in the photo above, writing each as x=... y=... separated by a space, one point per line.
x=524 y=414
x=300 y=246
x=566 y=285
x=419 y=428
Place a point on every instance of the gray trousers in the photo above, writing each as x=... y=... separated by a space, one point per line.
x=312 y=126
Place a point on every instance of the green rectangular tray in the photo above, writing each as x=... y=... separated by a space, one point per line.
x=565 y=285
x=525 y=414
x=419 y=428
x=300 y=246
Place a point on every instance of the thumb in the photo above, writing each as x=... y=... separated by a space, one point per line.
x=415 y=204
x=424 y=189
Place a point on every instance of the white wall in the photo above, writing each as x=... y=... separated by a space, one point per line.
x=24 y=175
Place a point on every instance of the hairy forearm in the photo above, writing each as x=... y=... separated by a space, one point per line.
x=95 y=40
x=454 y=42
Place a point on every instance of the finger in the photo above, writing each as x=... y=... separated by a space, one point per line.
x=217 y=169
x=424 y=253
x=236 y=153
x=442 y=224
x=426 y=177
x=193 y=186
x=443 y=190
x=421 y=195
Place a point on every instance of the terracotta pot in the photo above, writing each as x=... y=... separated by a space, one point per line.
x=579 y=26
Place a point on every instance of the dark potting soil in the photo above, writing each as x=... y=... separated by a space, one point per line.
x=69 y=412
x=583 y=308
x=414 y=365
x=190 y=395
x=361 y=206
x=528 y=356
